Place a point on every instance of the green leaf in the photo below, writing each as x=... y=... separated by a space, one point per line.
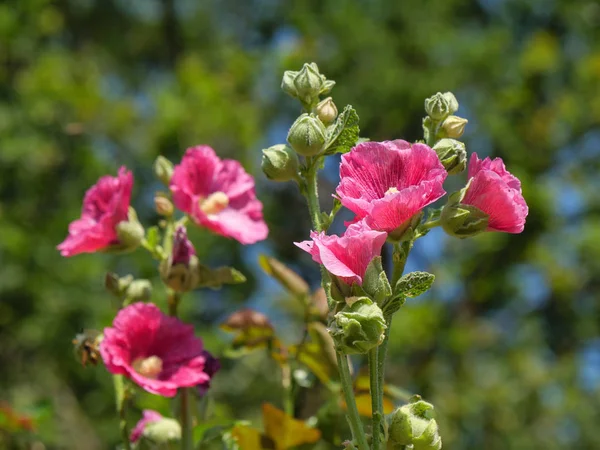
x=414 y=284
x=152 y=236
x=289 y=279
x=343 y=134
x=318 y=354
x=216 y=278
x=393 y=305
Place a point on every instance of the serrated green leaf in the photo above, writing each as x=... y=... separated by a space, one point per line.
x=393 y=305
x=343 y=134
x=414 y=284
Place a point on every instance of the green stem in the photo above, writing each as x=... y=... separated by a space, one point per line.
x=312 y=197
x=121 y=402
x=376 y=399
x=358 y=433
x=187 y=438
x=173 y=300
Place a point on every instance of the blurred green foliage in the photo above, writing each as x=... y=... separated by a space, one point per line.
x=506 y=347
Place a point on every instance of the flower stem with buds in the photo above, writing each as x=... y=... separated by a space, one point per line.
x=312 y=197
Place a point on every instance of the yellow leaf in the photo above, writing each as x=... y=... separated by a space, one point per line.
x=247 y=438
x=285 y=431
x=289 y=279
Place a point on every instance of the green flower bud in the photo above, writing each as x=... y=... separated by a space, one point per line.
x=180 y=277
x=139 y=291
x=440 y=106
x=307 y=135
x=287 y=83
x=130 y=233
x=161 y=434
x=460 y=220
x=280 y=163
x=162 y=205
x=412 y=424
x=452 y=102
x=306 y=84
x=454 y=127
x=115 y=285
x=326 y=111
x=163 y=170
x=452 y=154
x=358 y=327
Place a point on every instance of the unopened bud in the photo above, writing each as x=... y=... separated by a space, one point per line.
x=307 y=135
x=180 y=271
x=163 y=170
x=454 y=127
x=115 y=285
x=413 y=425
x=326 y=111
x=440 y=106
x=163 y=205
x=130 y=233
x=280 y=163
x=452 y=154
x=139 y=291
x=460 y=220
x=308 y=83
x=161 y=432
x=358 y=327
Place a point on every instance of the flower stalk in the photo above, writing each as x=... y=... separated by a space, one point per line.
x=121 y=402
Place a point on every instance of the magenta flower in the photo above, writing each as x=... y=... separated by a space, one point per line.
x=347 y=256
x=105 y=205
x=148 y=416
x=389 y=182
x=219 y=195
x=158 y=352
x=183 y=249
x=496 y=192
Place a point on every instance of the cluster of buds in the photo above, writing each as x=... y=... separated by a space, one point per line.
x=308 y=135
x=442 y=130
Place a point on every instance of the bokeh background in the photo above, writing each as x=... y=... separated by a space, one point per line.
x=506 y=344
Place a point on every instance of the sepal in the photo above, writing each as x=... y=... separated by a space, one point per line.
x=358 y=327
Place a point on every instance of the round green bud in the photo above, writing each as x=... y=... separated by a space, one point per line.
x=162 y=432
x=452 y=154
x=308 y=83
x=280 y=163
x=451 y=101
x=139 y=291
x=412 y=424
x=440 y=106
x=307 y=135
x=130 y=233
x=358 y=327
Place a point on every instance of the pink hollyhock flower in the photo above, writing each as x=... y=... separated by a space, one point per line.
x=105 y=205
x=183 y=249
x=347 y=256
x=389 y=182
x=158 y=352
x=148 y=416
x=219 y=195
x=496 y=192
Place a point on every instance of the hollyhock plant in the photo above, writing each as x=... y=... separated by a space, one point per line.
x=346 y=256
x=219 y=195
x=156 y=351
x=497 y=192
x=148 y=416
x=105 y=205
x=389 y=182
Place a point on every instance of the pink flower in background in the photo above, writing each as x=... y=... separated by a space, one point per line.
x=183 y=249
x=105 y=205
x=389 y=182
x=496 y=192
x=148 y=416
x=158 y=352
x=346 y=256
x=219 y=195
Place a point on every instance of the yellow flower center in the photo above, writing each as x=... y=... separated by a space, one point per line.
x=149 y=367
x=214 y=203
x=391 y=190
